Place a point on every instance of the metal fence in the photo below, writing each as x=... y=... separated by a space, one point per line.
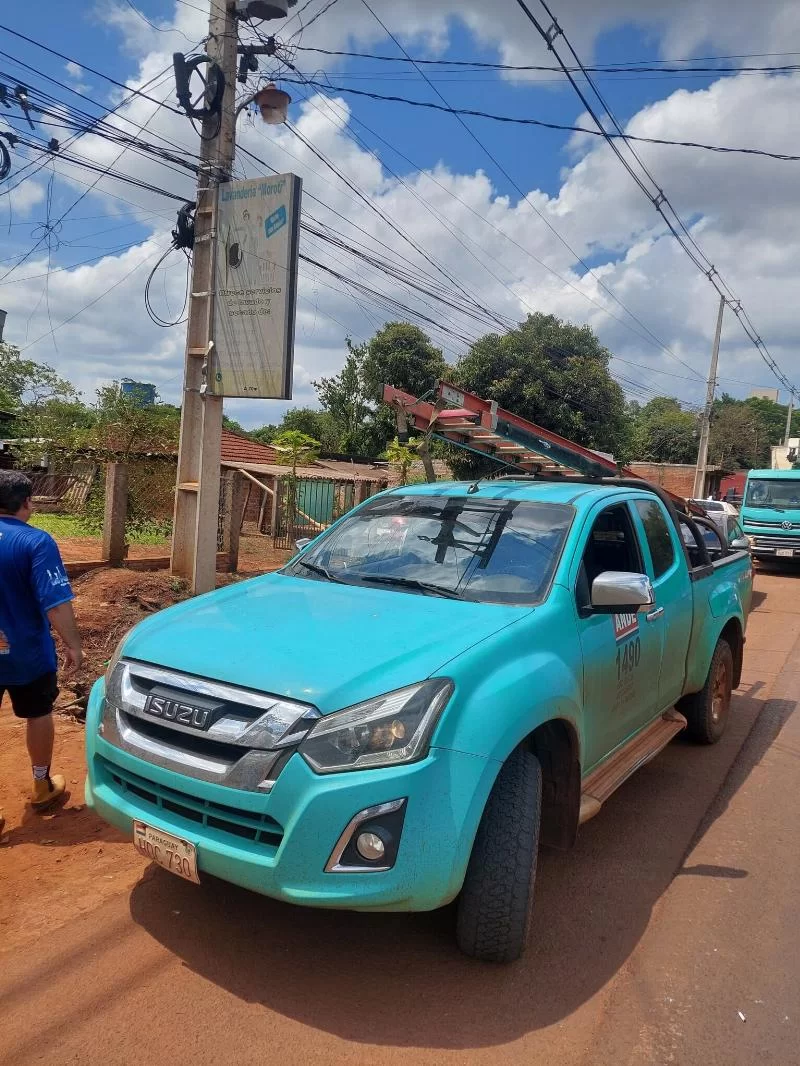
x=306 y=506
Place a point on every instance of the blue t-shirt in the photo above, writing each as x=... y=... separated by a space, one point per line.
x=32 y=581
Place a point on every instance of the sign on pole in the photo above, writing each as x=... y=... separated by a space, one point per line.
x=258 y=232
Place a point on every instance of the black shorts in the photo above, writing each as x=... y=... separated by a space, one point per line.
x=34 y=700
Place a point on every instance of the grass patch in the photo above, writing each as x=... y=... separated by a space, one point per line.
x=68 y=525
x=60 y=525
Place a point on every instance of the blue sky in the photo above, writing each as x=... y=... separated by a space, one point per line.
x=592 y=203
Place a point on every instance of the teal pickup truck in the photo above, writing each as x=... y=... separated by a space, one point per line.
x=449 y=676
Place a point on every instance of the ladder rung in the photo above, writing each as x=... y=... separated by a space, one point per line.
x=197 y=351
x=458 y=413
x=189 y=486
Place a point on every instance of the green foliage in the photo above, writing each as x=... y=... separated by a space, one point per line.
x=663 y=432
x=86 y=525
x=554 y=374
x=295 y=448
x=264 y=435
x=347 y=400
x=233 y=426
x=26 y=383
x=401 y=456
x=744 y=431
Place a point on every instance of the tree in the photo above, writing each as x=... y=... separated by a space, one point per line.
x=401 y=456
x=402 y=355
x=664 y=433
x=739 y=438
x=314 y=423
x=295 y=449
x=124 y=426
x=346 y=398
x=26 y=384
x=552 y=373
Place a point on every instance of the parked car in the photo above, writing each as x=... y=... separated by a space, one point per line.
x=447 y=678
x=713 y=507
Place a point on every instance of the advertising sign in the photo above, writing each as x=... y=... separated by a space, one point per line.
x=258 y=229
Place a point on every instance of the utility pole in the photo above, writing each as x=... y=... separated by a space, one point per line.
x=194 y=541
x=788 y=432
x=705 y=425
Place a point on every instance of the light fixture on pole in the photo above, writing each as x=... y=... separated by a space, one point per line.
x=264 y=9
x=273 y=103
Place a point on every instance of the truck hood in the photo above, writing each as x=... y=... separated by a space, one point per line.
x=325 y=644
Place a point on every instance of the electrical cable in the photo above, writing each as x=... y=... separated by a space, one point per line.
x=532 y=205
x=476 y=65
x=91 y=303
x=464 y=112
x=659 y=200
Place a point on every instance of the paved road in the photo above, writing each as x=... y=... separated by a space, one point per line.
x=675 y=912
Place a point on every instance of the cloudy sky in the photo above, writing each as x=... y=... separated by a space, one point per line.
x=502 y=218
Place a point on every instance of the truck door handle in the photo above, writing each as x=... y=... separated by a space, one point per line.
x=653 y=615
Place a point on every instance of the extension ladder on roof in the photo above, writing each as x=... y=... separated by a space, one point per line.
x=480 y=426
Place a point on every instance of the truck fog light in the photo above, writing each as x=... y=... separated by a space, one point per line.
x=370 y=846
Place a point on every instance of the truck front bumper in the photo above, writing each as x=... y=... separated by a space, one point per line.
x=279 y=843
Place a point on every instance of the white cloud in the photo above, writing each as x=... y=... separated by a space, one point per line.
x=25 y=196
x=742 y=210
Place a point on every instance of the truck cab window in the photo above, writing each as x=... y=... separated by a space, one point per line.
x=658 y=537
x=612 y=545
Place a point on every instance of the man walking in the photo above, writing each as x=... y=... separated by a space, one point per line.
x=35 y=595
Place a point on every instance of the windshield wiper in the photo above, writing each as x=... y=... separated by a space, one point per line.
x=410 y=583
x=321 y=571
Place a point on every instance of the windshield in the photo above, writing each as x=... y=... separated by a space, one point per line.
x=773 y=492
x=494 y=551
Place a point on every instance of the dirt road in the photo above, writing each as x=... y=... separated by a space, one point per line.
x=668 y=935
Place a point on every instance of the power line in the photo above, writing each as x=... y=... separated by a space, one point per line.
x=658 y=198
x=514 y=120
x=102 y=173
x=91 y=303
x=532 y=205
x=634 y=68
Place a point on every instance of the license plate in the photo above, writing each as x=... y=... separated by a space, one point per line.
x=173 y=853
x=785 y=553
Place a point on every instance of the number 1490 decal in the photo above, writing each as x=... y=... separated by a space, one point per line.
x=628 y=658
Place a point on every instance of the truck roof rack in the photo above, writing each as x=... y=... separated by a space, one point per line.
x=482 y=427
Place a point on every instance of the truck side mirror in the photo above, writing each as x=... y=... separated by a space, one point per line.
x=740 y=544
x=620 y=592
x=302 y=543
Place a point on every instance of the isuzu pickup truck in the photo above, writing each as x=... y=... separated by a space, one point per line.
x=448 y=677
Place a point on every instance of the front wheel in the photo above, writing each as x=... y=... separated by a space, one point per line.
x=494 y=909
x=707 y=711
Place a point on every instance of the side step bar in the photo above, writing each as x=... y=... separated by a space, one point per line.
x=607 y=778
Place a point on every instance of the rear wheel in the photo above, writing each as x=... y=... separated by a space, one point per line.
x=708 y=710
x=494 y=909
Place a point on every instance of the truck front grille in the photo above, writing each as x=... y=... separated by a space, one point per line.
x=773 y=543
x=773 y=525
x=259 y=828
x=203 y=729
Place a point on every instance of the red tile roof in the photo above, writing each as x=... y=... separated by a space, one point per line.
x=239 y=450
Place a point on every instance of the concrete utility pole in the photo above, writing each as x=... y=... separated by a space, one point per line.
x=705 y=425
x=788 y=432
x=194 y=540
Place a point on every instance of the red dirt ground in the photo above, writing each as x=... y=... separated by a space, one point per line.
x=56 y=865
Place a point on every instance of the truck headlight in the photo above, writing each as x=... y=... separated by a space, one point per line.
x=115 y=658
x=391 y=729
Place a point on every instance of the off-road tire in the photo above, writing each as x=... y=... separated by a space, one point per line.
x=494 y=909
x=708 y=710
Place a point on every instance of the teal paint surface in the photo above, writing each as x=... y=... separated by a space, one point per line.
x=513 y=668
